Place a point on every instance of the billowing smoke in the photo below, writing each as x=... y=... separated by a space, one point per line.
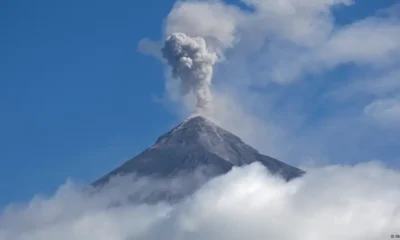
x=192 y=63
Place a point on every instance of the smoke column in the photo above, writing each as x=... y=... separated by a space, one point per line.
x=192 y=63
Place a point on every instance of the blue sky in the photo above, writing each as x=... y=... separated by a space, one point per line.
x=77 y=98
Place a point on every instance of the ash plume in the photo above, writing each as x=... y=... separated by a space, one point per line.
x=192 y=63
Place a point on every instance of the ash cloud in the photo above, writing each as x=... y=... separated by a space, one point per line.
x=192 y=63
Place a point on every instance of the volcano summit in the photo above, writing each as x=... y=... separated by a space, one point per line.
x=197 y=143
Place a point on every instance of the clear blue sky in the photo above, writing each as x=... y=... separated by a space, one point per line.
x=75 y=95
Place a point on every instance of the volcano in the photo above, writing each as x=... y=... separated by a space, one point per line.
x=197 y=143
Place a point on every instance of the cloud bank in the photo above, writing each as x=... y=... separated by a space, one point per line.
x=336 y=202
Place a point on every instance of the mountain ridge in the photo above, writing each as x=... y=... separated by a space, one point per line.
x=195 y=142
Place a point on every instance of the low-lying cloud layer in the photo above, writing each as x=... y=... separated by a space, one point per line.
x=335 y=202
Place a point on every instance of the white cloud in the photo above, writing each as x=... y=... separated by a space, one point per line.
x=302 y=23
x=149 y=47
x=208 y=19
x=373 y=41
x=335 y=202
x=388 y=84
x=384 y=111
x=381 y=85
x=299 y=34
